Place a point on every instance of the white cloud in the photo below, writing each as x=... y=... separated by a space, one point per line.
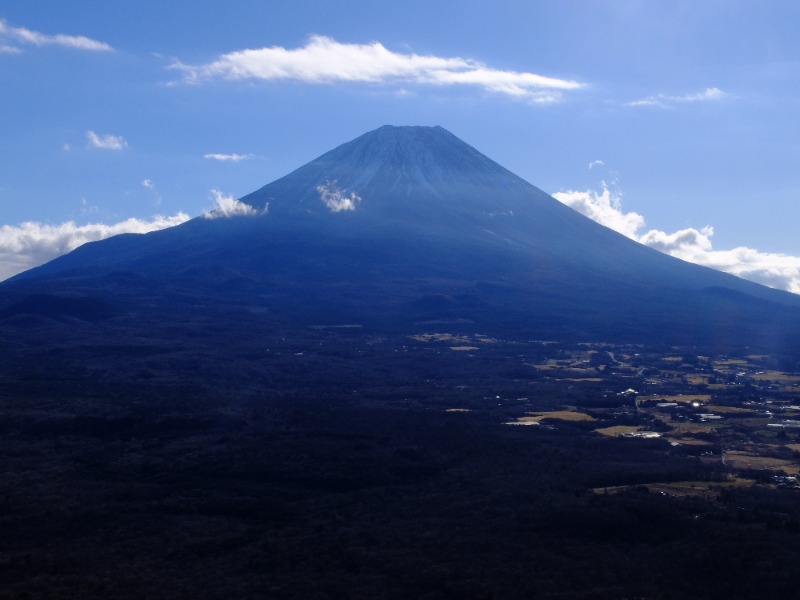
x=664 y=101
x=337 y=200
x=6 y=49
x=324 y=60
x=693 y=245
x=27 y=36
x=228 y=157
x=148 y=184
x=707 y=94
x=228 y=206
x=31 y=244
x=596 y=163
x=106 y=142
x=605 y=208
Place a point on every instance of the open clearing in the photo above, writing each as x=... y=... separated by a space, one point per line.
x=682 y=489
x=617 y=430
x=687 y=441
x=777 y=376
x=683 y=398
x=729 y=410
x=563 y=415
x=683 y=428
x=745 y=460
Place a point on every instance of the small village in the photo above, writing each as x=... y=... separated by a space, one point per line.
x=740 y=412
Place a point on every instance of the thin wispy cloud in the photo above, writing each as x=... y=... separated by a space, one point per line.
x=323 y=60
x=31 y=244
x=775 y=270
x=228 y=157
x=105 y=142
x=6 y=49
x=710 y=94
x=151 y=187
x=228 y=206
x=20 y=35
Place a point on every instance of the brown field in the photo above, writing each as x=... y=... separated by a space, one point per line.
x=548 y=366
x=685 y=398
x=567 y=371
x=731 y=362
x=745 y=460
x=617 y=430
x=795 y=447
x=697 y=379
x=684 y=428
x=700 y=379
x=729 y=410
x=682 y=488
x=778 y=376
x=563 y=415
x=687 y=441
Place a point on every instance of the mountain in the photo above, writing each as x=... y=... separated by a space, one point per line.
x=312 y=401
x=402 y=230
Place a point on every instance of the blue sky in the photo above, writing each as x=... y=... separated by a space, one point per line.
x=677 y=123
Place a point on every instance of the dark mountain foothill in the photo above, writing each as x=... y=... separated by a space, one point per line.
x=399 y=371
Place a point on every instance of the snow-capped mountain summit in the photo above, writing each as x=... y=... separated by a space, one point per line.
x=421 y=177
x=394 y=164
x=407 y=225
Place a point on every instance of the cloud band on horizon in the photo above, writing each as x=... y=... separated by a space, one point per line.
x=31 y=244
x=693 y=245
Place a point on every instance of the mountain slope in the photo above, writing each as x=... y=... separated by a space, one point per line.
x=406 y=225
